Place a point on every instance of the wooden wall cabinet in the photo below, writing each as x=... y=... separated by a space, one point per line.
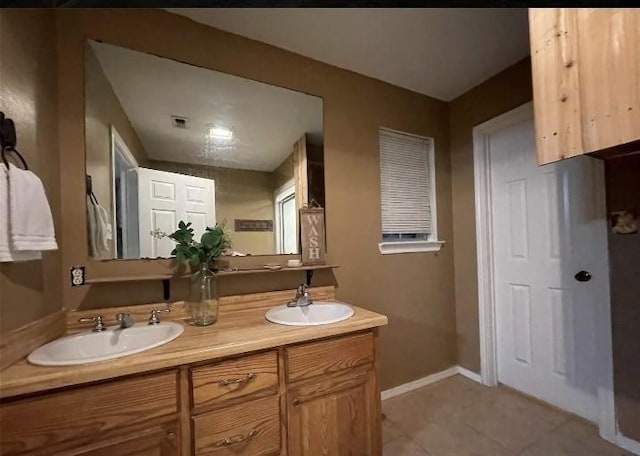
x=586 y=79
x=310 y=399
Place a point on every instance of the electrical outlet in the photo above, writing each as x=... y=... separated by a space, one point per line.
x=77 y=276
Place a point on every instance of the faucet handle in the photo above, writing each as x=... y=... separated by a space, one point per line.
x=97 y=319
x=154 y=318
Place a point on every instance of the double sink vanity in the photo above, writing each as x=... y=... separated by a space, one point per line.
x=243 y=386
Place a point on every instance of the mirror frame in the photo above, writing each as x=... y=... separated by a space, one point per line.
x=75 y=28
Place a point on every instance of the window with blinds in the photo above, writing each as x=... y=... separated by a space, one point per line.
x=407 y=189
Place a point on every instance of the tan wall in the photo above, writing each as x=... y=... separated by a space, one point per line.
x=623 y=193
x=414 y=290
x=501 y=93
x=28 y=94
x=103 y=109
x=240 y=194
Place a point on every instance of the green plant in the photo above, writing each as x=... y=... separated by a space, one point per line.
x=213 y=242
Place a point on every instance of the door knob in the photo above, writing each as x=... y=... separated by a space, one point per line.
x=583 y=276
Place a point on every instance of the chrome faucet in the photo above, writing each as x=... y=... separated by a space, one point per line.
x=124 y=320
x=302 y=298
x=154 y=319
x=98 y=323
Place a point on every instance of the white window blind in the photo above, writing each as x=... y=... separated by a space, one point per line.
x=405 y=184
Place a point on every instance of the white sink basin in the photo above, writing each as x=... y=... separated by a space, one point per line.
x=91 y=347
x=318 y=313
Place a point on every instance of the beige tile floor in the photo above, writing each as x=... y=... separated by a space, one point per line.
x=459 y=417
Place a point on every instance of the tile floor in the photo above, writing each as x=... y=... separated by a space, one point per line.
x=459 y=417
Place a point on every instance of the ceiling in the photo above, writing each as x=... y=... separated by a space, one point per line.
x=441 y=52
x=266 y=120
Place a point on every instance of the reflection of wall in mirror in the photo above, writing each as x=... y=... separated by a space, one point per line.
x=240 y=194
x=284 y=172
x=102 y=111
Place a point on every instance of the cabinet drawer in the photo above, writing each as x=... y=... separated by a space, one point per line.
x=255 y=375
x=82 y=413
x=251 y=429
x=324 y=357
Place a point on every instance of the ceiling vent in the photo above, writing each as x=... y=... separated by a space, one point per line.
x=179 y=122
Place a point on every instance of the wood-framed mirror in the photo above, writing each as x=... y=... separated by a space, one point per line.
x=76 y=32
x=166 y=141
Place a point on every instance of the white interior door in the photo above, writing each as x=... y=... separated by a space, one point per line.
x=286 y=229
x=289 y=225
x=549 y=223
x=165 y=199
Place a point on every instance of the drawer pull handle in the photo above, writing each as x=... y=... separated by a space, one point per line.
x=238 y=381
x=295 y=401
x=237 y=439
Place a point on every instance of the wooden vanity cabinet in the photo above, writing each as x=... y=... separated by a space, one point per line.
x=334 y=415
x=135 y=415
x=586 y=79
x=309 y=399
x=333 y=402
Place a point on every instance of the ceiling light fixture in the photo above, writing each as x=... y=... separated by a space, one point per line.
x=220 y=133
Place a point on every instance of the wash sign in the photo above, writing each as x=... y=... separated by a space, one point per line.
x=312 y=237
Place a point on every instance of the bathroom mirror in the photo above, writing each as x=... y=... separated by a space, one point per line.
x=168 y=141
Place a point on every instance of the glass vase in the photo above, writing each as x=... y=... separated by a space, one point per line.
x=203 y=296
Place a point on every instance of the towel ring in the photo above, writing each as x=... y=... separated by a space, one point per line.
x=11 y=149
x=8 y=140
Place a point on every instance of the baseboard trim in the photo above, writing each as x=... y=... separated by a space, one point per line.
x=627 y=444
x=419 y=383
x=429 y=379
x=469 y=374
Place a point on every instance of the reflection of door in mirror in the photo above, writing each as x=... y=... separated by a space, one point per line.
x=180 y=128
x=165 y=199
x=286 y=216
x=125 y=198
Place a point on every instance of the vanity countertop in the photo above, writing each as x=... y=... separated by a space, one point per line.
x=236 y=333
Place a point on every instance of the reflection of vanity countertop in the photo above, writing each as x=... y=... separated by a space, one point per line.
x=235 y=333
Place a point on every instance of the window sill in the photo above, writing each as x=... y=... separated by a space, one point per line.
x=390 y=248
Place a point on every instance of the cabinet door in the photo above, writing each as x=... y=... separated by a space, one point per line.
x=556 y=93
x=609 y=64
x=586 y=79
x=161 y=440
x=80 y=416
x=335 y=416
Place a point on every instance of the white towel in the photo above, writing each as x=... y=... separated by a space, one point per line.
x=99 y=230
x=30 y=219
x=91 y=217
x=7 y=253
